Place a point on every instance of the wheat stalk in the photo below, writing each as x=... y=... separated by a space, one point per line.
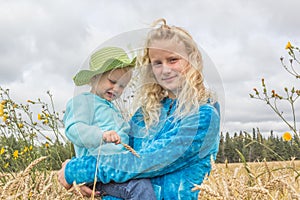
x=268 y=170
x=35 y=162
x=9 y=187
x=26 y=190
x=206 y=190
x=129 y=148
x=77 y=189
x=222 y=183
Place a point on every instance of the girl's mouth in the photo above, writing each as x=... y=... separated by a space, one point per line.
x=169 y=78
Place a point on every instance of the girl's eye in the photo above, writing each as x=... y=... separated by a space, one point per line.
x=156 y=64
x=173 y=60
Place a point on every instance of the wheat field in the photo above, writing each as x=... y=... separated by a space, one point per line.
x=261 y=180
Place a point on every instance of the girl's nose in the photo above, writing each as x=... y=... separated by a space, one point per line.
x=166 y=69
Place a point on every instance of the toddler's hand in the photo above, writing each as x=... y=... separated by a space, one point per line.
x=111 y=136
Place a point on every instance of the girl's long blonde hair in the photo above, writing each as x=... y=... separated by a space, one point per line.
x=150 y=94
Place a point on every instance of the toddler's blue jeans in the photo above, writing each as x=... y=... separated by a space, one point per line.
x=136 y=189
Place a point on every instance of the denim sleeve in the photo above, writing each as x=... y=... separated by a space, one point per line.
x=187 y=141
x=78 y=123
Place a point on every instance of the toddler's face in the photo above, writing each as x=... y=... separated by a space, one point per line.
x=111 y=84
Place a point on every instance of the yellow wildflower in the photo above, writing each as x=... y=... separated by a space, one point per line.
x=20 y=125
x=288 y=46
x=6 y=165
x=47 y=145
x=45 y=121
x=25 y=149
x=4 y=118
x=3 y=102
x=1 y=110
x=30 y=148
x=16 y=154
x=39 y=116
x=287 y=136
x=30 y=194
x=2 y=151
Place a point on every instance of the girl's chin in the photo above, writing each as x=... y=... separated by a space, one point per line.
x=171 y=88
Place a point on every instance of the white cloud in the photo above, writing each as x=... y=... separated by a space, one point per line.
x=43 y=44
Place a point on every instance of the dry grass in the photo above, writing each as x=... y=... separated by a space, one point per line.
x=265 y=180
x=129 y=148
x=43 y=186
x=30 y=184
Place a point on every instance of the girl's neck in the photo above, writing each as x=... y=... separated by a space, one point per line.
x=171 y=95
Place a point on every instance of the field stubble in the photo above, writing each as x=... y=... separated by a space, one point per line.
x=260 y=180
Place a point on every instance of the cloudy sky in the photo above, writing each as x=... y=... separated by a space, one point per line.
x=44 y=43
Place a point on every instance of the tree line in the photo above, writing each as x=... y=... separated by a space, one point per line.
x=254 y=147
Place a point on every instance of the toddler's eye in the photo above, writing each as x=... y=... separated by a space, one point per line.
x=112 y=81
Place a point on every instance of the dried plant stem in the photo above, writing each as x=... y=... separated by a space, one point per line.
x=35 y=162
x=129 y=148
x=76 y=190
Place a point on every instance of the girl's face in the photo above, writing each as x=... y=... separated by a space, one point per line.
x=168 y=62
x=111 y=84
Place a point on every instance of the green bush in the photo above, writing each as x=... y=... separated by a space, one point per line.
x=24 y=135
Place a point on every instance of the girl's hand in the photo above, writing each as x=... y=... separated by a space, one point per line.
x=84 y=190
x=61 y=175
x=111 y=136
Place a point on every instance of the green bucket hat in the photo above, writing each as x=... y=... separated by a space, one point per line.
x=103 y=60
